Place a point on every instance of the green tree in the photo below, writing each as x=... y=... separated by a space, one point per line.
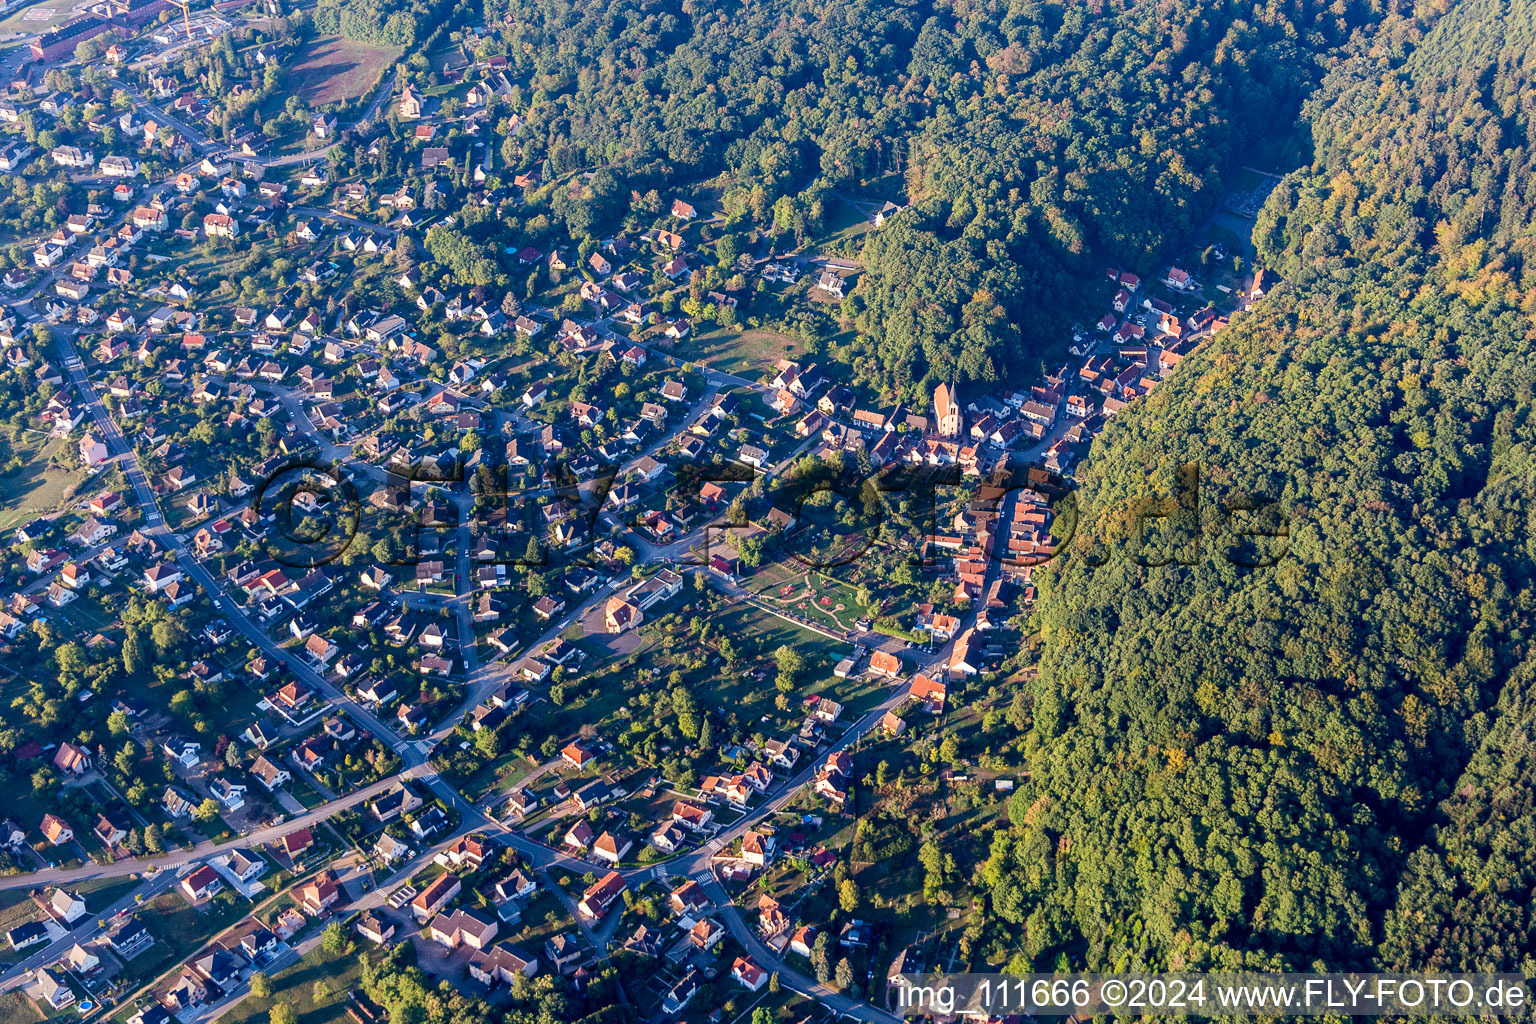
x=848 y=896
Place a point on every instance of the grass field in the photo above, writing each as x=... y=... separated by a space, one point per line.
x=747 y=353
x=15 y=1008
x=296 y=987
x=335 y=68
x=36 y=487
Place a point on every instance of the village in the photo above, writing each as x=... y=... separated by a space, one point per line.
x=512 y=625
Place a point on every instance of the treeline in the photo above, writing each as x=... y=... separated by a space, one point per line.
x=1326 y=763
x=382 y=22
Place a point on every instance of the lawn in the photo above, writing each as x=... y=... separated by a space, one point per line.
x=746 y=353
x=296 y=986
x=335 y=68
x=35 y=487
x=845 y=226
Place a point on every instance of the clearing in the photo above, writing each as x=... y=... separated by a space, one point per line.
x=336 y=68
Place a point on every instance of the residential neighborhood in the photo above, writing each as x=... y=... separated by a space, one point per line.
x=425 y=563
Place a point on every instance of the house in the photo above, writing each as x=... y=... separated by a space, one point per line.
x=435 y=896
x=410 y=104
x=501 y=963
x=930 y=691
x=92 y=451
x=562 y=950
x=746 y=971
x=57 y=831
x=577 y=756
x=71 y=759
x=109 y=830
x=579 y=836
x=127 y=937
x=81 y=960
x=176 y=803
x=318 y=894
x=269 y=774
x=611 y=848
x=202 y=883
x=462 y=927
x=691 y=816
x=244 y=865
x=679 y=995
x=55 y=993
x=190 y=990
x=220 y=225
x=757 y=848
x=601 y=895
x=668 y=838
x=883 y=663
x=374 y=927
x=392 y=803
x=468 y=852
x=826 y=710
x=66 y=907
x=706 y=934
x=296 y=843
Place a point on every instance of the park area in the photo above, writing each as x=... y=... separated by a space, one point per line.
x=807 y=593
x=335 y=68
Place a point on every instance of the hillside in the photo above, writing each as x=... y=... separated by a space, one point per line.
x=1326 y=761
x=1036 y=140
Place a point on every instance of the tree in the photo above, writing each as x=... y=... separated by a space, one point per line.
x=208 y=811
x=848 y=896
x=844 y=974
x=791 y=663
x=153 y=842
x=335 y=942
x=282 y=1013
x=261 y=985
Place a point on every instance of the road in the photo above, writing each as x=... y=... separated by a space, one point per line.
x=159 y=115
x=326 y=213
x=480 y=679
x=473 y=818
x=88 y=927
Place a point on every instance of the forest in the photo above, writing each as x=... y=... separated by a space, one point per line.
x=1326 y=763
x=1036 y=140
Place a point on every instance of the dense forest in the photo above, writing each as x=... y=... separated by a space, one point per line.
x=1035 y=139
x=1327 y=761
